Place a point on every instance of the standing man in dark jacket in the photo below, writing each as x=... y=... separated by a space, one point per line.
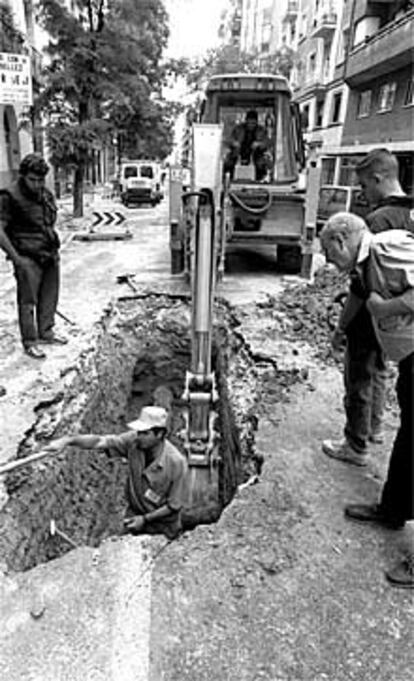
x=27 y=235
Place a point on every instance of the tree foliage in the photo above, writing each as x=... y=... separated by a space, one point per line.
x=104 y=76
x=229 y=59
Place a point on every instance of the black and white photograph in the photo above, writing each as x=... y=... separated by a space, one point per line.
x=206 y=340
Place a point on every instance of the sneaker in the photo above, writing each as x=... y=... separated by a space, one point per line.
x=342 y=451
x=402 y=574
x=377 y=437
x=373 y=513
x=53 y=339
x=34 y=352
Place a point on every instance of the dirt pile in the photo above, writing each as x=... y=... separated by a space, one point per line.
x=311 y=311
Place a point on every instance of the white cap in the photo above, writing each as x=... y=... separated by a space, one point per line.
x=150 y=417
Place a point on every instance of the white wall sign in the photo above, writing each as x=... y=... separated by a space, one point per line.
x=15 y=79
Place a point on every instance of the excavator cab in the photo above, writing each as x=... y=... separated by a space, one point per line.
x=262 y=157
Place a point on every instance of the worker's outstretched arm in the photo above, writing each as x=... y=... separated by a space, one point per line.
x=82 y=441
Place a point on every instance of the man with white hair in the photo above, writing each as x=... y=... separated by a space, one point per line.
x=385 y=265
x=157 y=472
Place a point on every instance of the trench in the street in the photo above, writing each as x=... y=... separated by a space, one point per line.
x=140 y=352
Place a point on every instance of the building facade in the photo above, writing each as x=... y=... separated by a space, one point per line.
x=17 y=37
x=378 y=69
x=261 y=25
x=312 y=28
x=352 y=75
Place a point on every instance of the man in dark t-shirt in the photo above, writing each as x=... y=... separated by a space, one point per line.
x=391 y=207
x=392 y=212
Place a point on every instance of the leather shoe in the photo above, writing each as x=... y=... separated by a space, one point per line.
x=53 y=340
x=342 y=451
x=402 y=574
x=374 y=514
x=34 y=352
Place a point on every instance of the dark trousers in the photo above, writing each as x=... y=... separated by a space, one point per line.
x=397 y=494
x=365 y=377
x=37 y=298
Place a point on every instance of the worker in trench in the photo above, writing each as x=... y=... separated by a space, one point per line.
x=157 y=483
x=29 y=239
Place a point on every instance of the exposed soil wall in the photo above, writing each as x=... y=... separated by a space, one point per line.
x=138 y=346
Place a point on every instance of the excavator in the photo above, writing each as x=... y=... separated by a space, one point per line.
x=242 y=203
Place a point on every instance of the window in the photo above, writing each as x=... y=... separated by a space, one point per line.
x=347 y=174
x=275 y=120
x=312 y=64
x=130 y=171
x=305 y=117
x=336 y=107
x=344 y=45
x=146 y=171
x=320 y=105
x=364 y=104
x=409 y=95
x=328 y=170
x=386 y=96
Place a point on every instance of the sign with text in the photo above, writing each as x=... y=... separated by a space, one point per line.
x=15 y=79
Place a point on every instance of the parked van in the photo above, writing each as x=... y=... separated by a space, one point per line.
x=337 y=198
x=140 y=182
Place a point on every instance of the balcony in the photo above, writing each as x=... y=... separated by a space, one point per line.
x=384 y=52
x=291 y=10
x=325 y=25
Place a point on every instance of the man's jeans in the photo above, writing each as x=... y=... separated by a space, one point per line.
x=37 y=298
x=397 y=499
x=365 y=377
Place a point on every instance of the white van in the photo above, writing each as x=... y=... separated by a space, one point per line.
x=140 y=182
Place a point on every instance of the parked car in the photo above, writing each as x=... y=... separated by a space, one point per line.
x=336 y=198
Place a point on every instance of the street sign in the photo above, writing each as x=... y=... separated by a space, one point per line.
x=108 y=218
x=15 y=79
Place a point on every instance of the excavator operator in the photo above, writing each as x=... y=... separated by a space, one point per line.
x=249 y=143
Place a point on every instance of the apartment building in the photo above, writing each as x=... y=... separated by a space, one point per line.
x=261 y=22
x=312 y=28
x=352 y=75
x=20 y=70
x=231 y=24
x=353 y=80
x=378 y=69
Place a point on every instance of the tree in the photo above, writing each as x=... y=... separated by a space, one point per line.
x=229 y=59
x=104 y=74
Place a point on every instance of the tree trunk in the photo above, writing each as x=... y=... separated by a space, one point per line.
x=78 y=190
